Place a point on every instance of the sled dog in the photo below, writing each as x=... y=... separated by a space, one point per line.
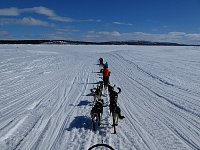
x=97 y=93
x=96 y=113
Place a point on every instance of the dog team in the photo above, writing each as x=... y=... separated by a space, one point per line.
x=97 y=109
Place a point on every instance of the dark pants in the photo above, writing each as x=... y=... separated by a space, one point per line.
x=105 y=81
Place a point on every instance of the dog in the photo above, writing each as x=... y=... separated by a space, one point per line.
x=96 y=113
x=112 y=93
x=110 y=88
x=101 y=86
x=116 y=114
x=98 y=92
x=115 y=110
x=101 y=61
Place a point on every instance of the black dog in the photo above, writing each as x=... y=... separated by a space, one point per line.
x=112 y=93
x=115 y=110
x=116 y=114
x=101 y=61
x=97 y=112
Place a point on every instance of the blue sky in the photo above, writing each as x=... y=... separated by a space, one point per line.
x=102 y=20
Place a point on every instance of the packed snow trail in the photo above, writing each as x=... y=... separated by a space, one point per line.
x=45 y=98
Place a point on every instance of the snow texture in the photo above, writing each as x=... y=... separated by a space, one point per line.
x=45 y=98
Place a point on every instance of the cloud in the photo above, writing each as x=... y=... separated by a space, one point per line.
x=114 y=33
x=33 y=22
x=176 y=33
x=68 y=29
x=49 y=36
x=122 y=23
x=12 y=11
x=38 y=10
x=67 y=33
x=92 y=35
x=175 y=37
x=25 y=21
x=88 y=20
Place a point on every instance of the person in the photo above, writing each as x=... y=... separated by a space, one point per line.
x=106 y=74
x=100 y=61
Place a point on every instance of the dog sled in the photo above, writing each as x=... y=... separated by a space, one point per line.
x=98 y=103
x=101 y=146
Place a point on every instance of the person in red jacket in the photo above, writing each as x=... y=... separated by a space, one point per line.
x=106 y=74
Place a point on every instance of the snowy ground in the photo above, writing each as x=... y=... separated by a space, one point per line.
x=45 y=97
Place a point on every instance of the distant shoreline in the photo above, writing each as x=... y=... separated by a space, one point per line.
x=62 y=42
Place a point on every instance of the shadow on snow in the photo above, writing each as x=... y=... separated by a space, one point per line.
x=84 y=103
x=80 y=122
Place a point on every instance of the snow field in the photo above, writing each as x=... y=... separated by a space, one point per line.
x=45 y=97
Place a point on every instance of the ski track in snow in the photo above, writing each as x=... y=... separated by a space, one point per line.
x=45 y=99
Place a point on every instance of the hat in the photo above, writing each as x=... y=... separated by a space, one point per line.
x=106 y=65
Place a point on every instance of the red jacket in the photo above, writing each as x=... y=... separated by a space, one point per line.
x=105 y=72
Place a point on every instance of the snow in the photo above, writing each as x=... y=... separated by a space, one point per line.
x=45 y=99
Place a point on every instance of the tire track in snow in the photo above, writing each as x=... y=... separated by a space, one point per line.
x=125 y=76
x=176 y=104
x=33 y=116
x=58 y=112
x=49 y=116
x=24 y=128
x=80 y=126
x=157 y=124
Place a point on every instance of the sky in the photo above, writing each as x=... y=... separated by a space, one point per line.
x=101 y=20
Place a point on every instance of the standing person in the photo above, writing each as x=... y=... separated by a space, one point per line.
x=106 y=74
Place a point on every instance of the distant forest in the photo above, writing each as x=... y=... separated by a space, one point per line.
x=91 y=43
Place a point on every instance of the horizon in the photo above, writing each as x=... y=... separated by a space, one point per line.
x=171 y=21
x=87 y=41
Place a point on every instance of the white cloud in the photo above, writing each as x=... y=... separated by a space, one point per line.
x=38 y=10
x=66 y=33
x=122 y=23
x=49 y=36
x=194 y=35
x=25 y=21
x=101 y=36
x=114 y=33
x=33 y=22
x=12 y=11
x=174 y=37
x=88 y=20
x=68 y=29
x=176 y=33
